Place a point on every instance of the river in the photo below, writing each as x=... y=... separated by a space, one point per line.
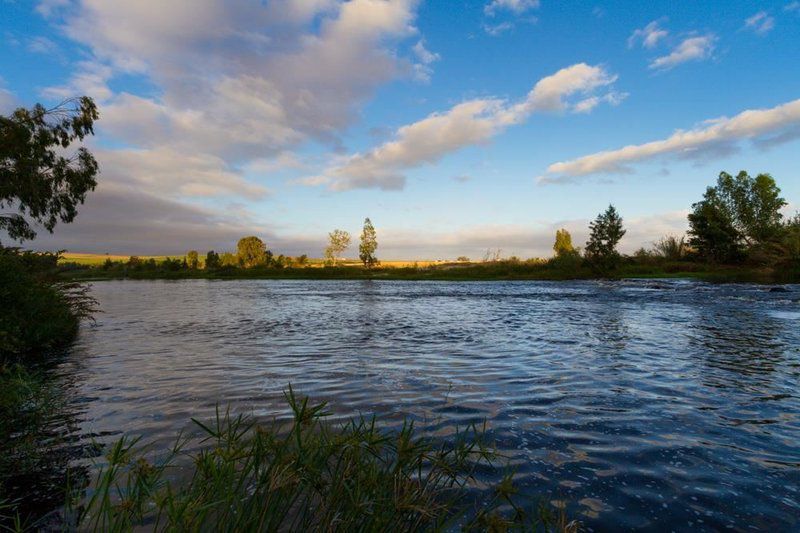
x=670 y=405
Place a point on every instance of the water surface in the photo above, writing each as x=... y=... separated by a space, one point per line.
x=671 y=405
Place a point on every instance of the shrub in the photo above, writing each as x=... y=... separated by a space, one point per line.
x=37 y=313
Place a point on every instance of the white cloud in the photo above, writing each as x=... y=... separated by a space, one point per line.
x=170 y=173
x=514 y=6
x=496 y=29
x=422 y=69
x=761 y=23
x=469 y=123
x=792 y=6
x=764 y=127
x=690 y=49
x=90 y=79
x=43 y=45
x=649 y=36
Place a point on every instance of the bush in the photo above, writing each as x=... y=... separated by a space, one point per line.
x=37 y=313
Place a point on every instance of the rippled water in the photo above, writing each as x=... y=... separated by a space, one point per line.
x=657 y=404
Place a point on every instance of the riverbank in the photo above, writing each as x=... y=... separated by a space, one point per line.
x=489 y=271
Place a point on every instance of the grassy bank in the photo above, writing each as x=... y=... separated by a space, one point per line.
x=552 y=269
x=308 y=475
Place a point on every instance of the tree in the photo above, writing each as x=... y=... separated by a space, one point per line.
x=227 y=259
x=212 y=260
x=606 y=232
x=251 y=251
x=37 y=178
x=563 y=245
x=736 y=214
x=302 y=259
x=369 y=243
x=339 y=240
x=192 y=260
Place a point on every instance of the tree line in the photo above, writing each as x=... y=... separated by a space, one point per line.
x=737 y=221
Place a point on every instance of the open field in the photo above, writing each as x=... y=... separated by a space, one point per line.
x=99 y=259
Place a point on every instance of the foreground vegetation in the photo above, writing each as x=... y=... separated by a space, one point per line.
x=304 y=475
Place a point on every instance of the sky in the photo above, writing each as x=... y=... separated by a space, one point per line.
x=456 y=126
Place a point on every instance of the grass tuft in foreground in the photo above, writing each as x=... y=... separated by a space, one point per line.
x=306 y=475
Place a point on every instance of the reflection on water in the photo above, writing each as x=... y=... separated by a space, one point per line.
x=660 y=404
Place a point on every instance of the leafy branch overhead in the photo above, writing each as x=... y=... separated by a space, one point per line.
x=39 y=180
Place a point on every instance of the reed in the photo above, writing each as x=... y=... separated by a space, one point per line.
x=306 y=475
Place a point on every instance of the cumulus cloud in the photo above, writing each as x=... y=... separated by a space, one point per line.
x=765 y=127
x=760 y=23
x=468 y=123
x=649 y=36
x=237 y=84
x=514 y=6
x=690 y=49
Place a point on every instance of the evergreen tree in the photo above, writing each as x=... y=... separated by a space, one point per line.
x=369 y=243
x=606 y=232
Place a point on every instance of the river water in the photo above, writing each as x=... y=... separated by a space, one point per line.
x=669 y=405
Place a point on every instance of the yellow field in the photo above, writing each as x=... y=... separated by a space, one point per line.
x=99 y=259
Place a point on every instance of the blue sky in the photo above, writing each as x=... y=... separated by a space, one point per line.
x=456 y=126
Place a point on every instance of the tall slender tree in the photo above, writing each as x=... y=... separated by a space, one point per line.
x=368 y=245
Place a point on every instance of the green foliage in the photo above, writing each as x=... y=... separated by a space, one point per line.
x=368 y=245
x=738 y=213
x=306 y=475
x=227 y=259
x=338 y=240
x=251 y=252
x=302 y=260
x=605 y=233
x=563 y=245
x=38 y=312
x=212 y=260
x=192 y=259
x=670 y=247
x=36 y=178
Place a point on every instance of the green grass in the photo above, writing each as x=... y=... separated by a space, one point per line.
x=306 y=475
